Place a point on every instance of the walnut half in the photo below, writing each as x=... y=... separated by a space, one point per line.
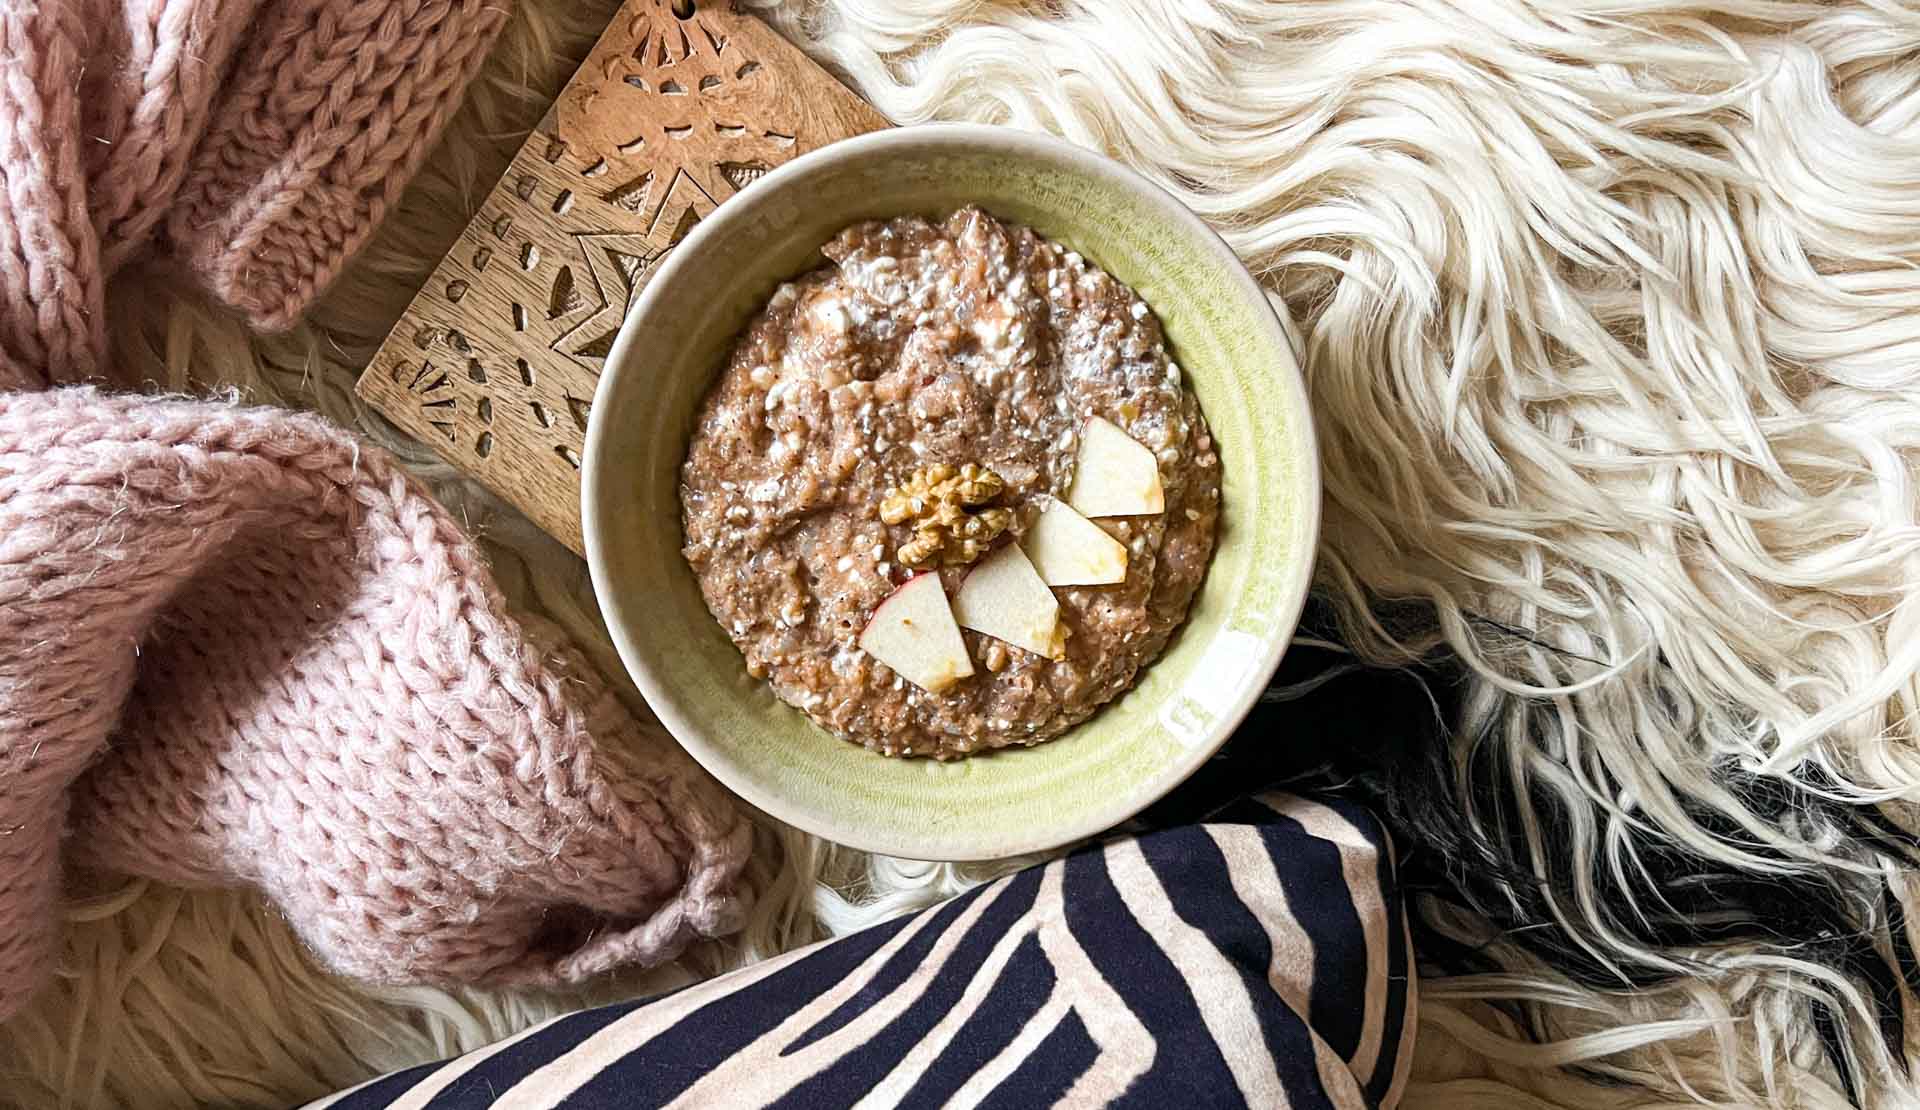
x=936 y=501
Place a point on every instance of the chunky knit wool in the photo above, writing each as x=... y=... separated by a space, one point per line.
x=238 y=645
x=255 y=141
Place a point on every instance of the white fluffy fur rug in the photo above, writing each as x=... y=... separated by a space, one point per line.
x=1611 y=314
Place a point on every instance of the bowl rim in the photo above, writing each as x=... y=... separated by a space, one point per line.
x=1017 y=144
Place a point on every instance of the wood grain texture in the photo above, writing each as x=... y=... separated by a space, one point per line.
x=495 y=361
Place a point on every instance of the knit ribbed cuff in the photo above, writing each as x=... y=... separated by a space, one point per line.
x=332 y=107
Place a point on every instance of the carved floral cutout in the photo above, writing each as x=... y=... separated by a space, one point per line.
x=496 y=360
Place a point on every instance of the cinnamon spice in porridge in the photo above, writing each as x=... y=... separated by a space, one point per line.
x=923 y=352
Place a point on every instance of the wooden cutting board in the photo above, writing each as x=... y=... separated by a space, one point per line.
x=677 y=107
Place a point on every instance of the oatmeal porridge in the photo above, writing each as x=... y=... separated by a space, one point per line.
x=949 y=493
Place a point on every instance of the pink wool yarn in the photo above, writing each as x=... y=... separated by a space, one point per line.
x=261 y=140
x=239 y=646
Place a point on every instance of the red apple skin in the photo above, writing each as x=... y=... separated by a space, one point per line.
x=888 y=600
x=964 y=660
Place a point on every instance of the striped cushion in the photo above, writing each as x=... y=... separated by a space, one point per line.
x=1258 y=959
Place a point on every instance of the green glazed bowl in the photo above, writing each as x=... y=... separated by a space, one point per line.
x=1225 y=336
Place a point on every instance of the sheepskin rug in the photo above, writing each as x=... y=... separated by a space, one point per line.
x=1610 y=313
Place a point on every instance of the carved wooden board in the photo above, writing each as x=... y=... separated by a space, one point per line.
x=495 y=362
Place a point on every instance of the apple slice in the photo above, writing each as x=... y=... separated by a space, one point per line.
x=1116 y=475
x=1070 y=550
x=913 y=632
x=1007 y=599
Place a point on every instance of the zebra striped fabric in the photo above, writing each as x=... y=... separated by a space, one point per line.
x=1260 y=959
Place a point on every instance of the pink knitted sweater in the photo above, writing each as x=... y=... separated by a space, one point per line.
x=256 y=141
x=237 y=645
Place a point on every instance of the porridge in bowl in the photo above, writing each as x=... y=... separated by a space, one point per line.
x=949 y=493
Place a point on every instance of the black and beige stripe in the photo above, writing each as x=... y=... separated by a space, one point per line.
x=1259 y=959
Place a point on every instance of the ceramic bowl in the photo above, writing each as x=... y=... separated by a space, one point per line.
x=1225 y=336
